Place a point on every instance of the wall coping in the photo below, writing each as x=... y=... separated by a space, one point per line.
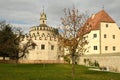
x=101 y=55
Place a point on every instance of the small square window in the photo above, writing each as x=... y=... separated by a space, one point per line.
x=52 y=47
x=94 y=35
x=113 y=36
x=106 y=25
x=42 y=46
x=95 y=47
x=106 y=48
x=105 y=36
x=114 y=48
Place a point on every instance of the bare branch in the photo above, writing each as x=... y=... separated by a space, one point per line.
x=72 y=22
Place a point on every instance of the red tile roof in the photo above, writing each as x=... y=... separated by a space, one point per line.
x=93 y=23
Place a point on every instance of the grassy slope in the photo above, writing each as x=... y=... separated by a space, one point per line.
x=51 y=72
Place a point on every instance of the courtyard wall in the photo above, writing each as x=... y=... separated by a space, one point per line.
x=110 y=61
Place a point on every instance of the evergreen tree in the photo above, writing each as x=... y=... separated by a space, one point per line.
x=10 y=42
x=6 y=40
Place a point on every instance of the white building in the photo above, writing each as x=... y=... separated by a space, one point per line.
x=46 y=39
x=102 y=34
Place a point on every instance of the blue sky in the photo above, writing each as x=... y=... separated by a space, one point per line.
x=26 y=13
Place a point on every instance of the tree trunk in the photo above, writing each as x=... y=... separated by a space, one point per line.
x=73 y=71
x=16 y=61
x=73 y=66
x=17 y=57
x=4 y=59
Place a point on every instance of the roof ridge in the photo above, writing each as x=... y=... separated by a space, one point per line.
x=104 y=16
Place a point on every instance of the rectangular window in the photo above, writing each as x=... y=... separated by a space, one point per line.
x=42 y=46
x=105 y=36
x=114 y=48
x=94 y=35
x=113 y=36
x=106 y=25
x=106 y=48
x=95 y=47
x=52 y=47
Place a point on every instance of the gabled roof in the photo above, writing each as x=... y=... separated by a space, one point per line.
x=93 y=23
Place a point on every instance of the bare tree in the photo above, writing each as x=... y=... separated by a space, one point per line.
x=71 y=23
x=21 y=49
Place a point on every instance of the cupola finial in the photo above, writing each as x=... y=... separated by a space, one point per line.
x=43 y=17
x=43 y=8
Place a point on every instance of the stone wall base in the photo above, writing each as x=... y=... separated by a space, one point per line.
x=41 y=61
x=111 y=62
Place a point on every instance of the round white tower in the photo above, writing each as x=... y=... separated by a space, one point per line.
x=46 y=39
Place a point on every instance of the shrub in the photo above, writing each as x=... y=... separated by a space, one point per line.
x=67 y=59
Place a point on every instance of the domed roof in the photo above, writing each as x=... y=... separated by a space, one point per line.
x=43 y=25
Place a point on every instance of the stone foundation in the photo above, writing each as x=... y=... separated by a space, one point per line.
x=41 y=61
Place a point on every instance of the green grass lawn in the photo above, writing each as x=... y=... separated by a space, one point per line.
x=51 y=72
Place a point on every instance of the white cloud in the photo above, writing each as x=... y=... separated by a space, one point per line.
x=24 y=27
x=27 y=12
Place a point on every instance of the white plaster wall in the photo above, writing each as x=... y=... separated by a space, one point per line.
x=92 y=42
x=47 y=53
x=111 y=30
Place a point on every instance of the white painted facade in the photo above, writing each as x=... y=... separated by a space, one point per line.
x=112 y=40
x=93 y=42
x=96 y=38
x=103 y=40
